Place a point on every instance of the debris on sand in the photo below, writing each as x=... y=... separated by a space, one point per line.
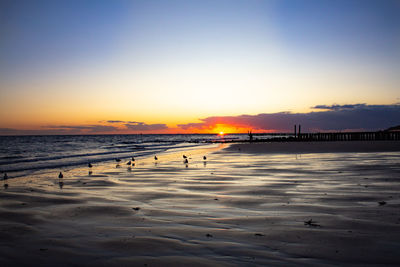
x=311 y=223
x=381 y=203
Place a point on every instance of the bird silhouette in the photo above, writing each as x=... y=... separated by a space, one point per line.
x=5 y=176
x=60 y=175
x=133 y=159
x=184 y=157
x=117 y=160
x=204 y=157
x=155 y=158
x=129 y=163
x=90 y=165
x=186 y=161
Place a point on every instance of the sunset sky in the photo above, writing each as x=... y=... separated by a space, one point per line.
x=95 y=66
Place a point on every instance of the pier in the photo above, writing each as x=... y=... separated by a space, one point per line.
x=329 y=136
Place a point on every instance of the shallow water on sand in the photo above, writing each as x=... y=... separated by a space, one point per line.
x=232 y=209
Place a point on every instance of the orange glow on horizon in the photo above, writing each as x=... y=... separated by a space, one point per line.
x=121 y=127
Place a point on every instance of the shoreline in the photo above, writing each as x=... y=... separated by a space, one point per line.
x=308 y=147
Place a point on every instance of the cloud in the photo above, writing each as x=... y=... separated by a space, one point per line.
x=113 y=121
x=141 y=126
x=200 y=125
x=83 y=128
x=60 y=129
x=334 y=118
x=339 y=107
x=127 y=127
x=119 y=121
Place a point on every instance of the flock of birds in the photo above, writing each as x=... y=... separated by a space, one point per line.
x=129 y=163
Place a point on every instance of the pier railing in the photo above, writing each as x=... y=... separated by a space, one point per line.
x=348 y=136
x=329 y=136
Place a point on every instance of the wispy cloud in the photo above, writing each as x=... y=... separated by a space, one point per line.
x=141 y=126
x=84 y=128
x=113 y=121
x=61 y=129
x=340 y=107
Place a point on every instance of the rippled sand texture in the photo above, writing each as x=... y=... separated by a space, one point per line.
x=237 y=209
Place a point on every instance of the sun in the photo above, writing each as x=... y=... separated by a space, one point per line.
x=221 y=133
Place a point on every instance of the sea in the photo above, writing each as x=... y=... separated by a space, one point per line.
x=24 y=155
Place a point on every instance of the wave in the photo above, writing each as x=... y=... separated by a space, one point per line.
x=82 y=159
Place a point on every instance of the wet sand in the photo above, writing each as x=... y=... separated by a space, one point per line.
x=244 y=207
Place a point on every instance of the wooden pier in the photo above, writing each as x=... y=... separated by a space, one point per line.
x=329 y=136
x=348 y=136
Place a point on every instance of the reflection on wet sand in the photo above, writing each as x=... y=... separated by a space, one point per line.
x=236 y=208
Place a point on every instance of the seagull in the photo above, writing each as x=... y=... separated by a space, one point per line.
x=186 y=161
x=155 y=158
x=90 y=165
x=60 y=175
x=184 y=157
x=5 y=176
x=117 y=160
x=129 y=163
x=204 y=157
x=133 y=159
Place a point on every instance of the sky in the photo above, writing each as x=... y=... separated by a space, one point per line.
x=94 y=66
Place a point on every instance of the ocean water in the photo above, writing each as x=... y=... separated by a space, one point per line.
x=22 y=155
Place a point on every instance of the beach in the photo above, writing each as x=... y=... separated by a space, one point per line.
x=247 y=204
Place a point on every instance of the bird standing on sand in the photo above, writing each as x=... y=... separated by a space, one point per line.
x=5 y=179
x=117 y=160
x=155 y=158
x=184 y=156
x=204 y=157
x=60 y=175
x=186 y=161
x=90 y=165
x=129 y=163
x=133 y=159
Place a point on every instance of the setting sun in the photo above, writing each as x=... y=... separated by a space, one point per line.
x=221 y=133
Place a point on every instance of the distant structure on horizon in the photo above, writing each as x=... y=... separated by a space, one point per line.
x=394 y=129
